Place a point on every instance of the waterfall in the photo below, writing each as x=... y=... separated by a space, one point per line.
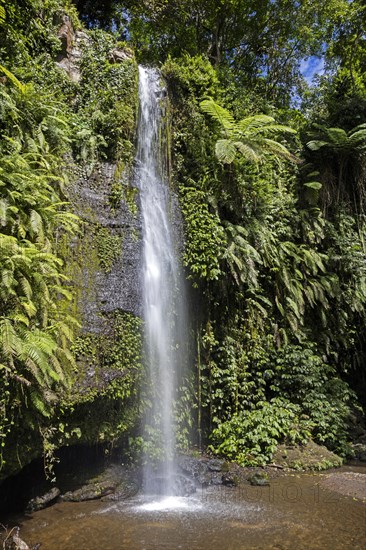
x=161 y=285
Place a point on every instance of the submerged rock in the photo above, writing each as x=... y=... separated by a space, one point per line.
x=259 y=479
x=43 y=501
x=352 y=484
x=229 y=480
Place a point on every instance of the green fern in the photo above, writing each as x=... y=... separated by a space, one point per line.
x=251 y=136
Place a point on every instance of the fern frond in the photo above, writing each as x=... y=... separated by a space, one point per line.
x=248 y=151
x=218 y=113
x=277 y=148
x=253 y=122
x=36 y=224
x=225 y=151
x=39 y=404
x=21 y=87
x=315 y=145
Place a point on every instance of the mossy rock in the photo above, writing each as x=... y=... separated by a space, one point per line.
x=260 y=479
x=91 y=491
x=311 y=456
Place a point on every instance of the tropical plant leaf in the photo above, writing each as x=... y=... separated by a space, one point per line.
x=225 y=151
x=316 y=185
x=218 y=113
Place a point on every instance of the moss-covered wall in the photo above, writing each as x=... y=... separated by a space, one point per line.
x=106 y=257
x=104 y=267
x=103 y=261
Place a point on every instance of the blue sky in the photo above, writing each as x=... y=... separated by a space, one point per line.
x=311 y=67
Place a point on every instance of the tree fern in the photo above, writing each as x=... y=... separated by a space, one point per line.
x=218 y=113
x=339 y=157
x=250 y=136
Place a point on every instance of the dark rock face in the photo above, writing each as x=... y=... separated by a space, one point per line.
x=359 y=450
x=195 y=468
x=71 y=48
x=102 y=290
x=183 y=486
x=215 y=465
x=204 y=471
x=119 y=288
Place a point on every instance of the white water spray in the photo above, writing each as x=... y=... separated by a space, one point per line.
x=160 y=282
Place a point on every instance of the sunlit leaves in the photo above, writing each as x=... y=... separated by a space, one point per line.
x=36 y=328
x=252 y=137
x=205 y=236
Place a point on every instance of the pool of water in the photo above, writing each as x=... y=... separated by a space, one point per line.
x=295 y=511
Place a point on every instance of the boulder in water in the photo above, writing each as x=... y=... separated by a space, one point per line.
x=359 y=450
x=92 y=491
x=259 y=479
x=43 y=501
x=229 y=480
x=193 y=467
x=126 y=489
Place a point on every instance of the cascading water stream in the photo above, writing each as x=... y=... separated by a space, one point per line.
x=160 y=282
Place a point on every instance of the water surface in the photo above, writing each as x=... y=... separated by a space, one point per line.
x=294 y=512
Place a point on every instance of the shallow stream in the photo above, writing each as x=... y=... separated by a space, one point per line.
x=296 y=511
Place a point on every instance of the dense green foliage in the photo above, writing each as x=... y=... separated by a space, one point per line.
x=107 y=386
x=270 y=173
x=106 y=103
x=282 y=270
x=36 y=327
x=49 y=122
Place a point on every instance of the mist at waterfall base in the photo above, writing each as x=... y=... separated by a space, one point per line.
x=163 y=289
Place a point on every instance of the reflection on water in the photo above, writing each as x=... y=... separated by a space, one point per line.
x=293 y=512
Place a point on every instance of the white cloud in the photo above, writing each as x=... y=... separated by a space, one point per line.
x=310 y=67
